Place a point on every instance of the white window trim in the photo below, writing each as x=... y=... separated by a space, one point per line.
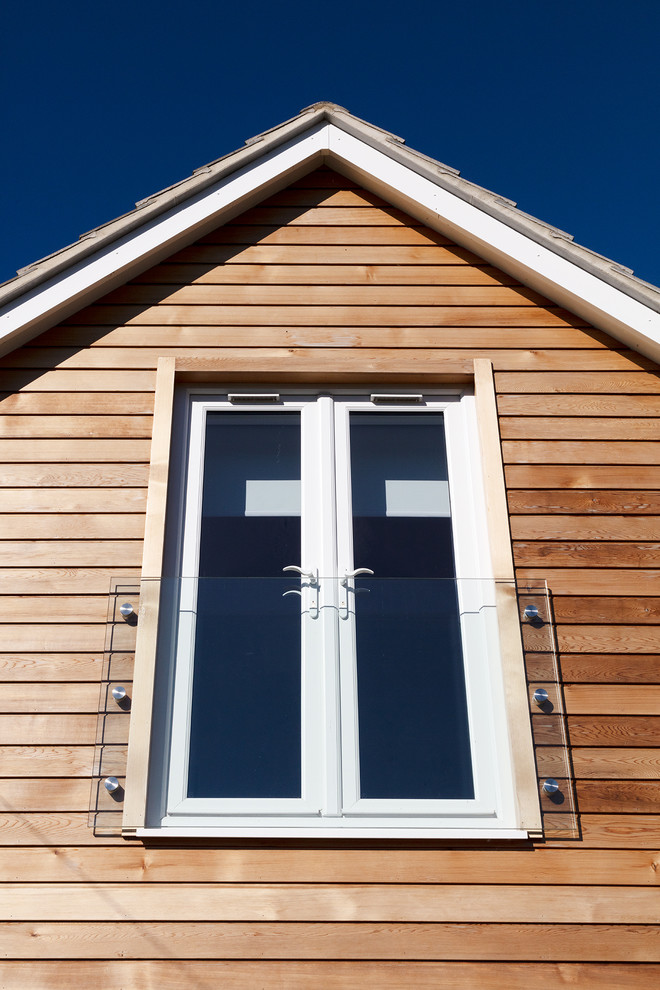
x=494 y=806
x=142 y=772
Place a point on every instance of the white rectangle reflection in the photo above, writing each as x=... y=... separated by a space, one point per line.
x=272 y=498
x=417 y=498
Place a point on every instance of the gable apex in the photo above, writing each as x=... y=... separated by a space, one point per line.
x=538 y=254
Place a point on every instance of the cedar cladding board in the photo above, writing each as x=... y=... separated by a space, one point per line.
x=325 y=264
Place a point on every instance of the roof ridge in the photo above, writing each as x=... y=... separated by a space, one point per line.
x=31 y=277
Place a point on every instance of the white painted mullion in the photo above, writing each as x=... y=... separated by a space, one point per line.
x=312 y=639
x=346 y=611
x=186 y=604
x=324 y=523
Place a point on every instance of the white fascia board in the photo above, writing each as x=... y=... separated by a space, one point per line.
x=564 y=282
x=75 y=287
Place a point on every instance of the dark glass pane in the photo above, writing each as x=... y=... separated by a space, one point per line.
x=246 y=722
x=404 y=547
x=251 y=496
x=245 y=735
x=240 y=547
x=413 y=728
x=414 y=740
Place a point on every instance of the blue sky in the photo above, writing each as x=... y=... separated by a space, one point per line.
x=552 y=105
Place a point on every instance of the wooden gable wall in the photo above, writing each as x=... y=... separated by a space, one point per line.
x=326 y=265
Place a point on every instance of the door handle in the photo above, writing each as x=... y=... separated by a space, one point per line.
x=353 y=574
x=344 y=610
x=312 y=579
x=312 y=576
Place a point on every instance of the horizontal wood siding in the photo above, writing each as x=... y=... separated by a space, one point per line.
x=326 y=267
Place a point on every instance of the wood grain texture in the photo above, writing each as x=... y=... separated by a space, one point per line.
x=585 y=476
x=618 y=796
x=567 y=406
x=73 y=500
x=59 y=829
x=344 y=234
x=61 y=666
x=535 y=428
x=44 y=638
x=76 y=426
x=324 y=215
x=364 y=341
x=77 y=553
x=70 y=475
x=608 y=639
x=589 y=581
x=587 y=554
x=308 y=247
x=51 y=608
x=164 y=865
x=610 y=699
x=51 y=830
x=50 y=761
x=38 y=698
x=345 y=273
x=313 y=294
x=329 y=315
x=570 y=501
x=577 y=382
x=74 y=450
x=332 y=975
x=320 y=362
x=238 y=940
x=39 y=794
x=63 y=380
x=63 y=580
x=609 y=527
x=601 y=764
x=619 y=831
x=614 y=730
x=595 y=730
x=484 y=338
x=70 y=526
x=613 y=609
x=580 y=452
x=611 y=667
x=80 y=403
x=324 y=902
x=63 y=730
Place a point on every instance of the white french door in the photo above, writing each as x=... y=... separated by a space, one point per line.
x=334 y=619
